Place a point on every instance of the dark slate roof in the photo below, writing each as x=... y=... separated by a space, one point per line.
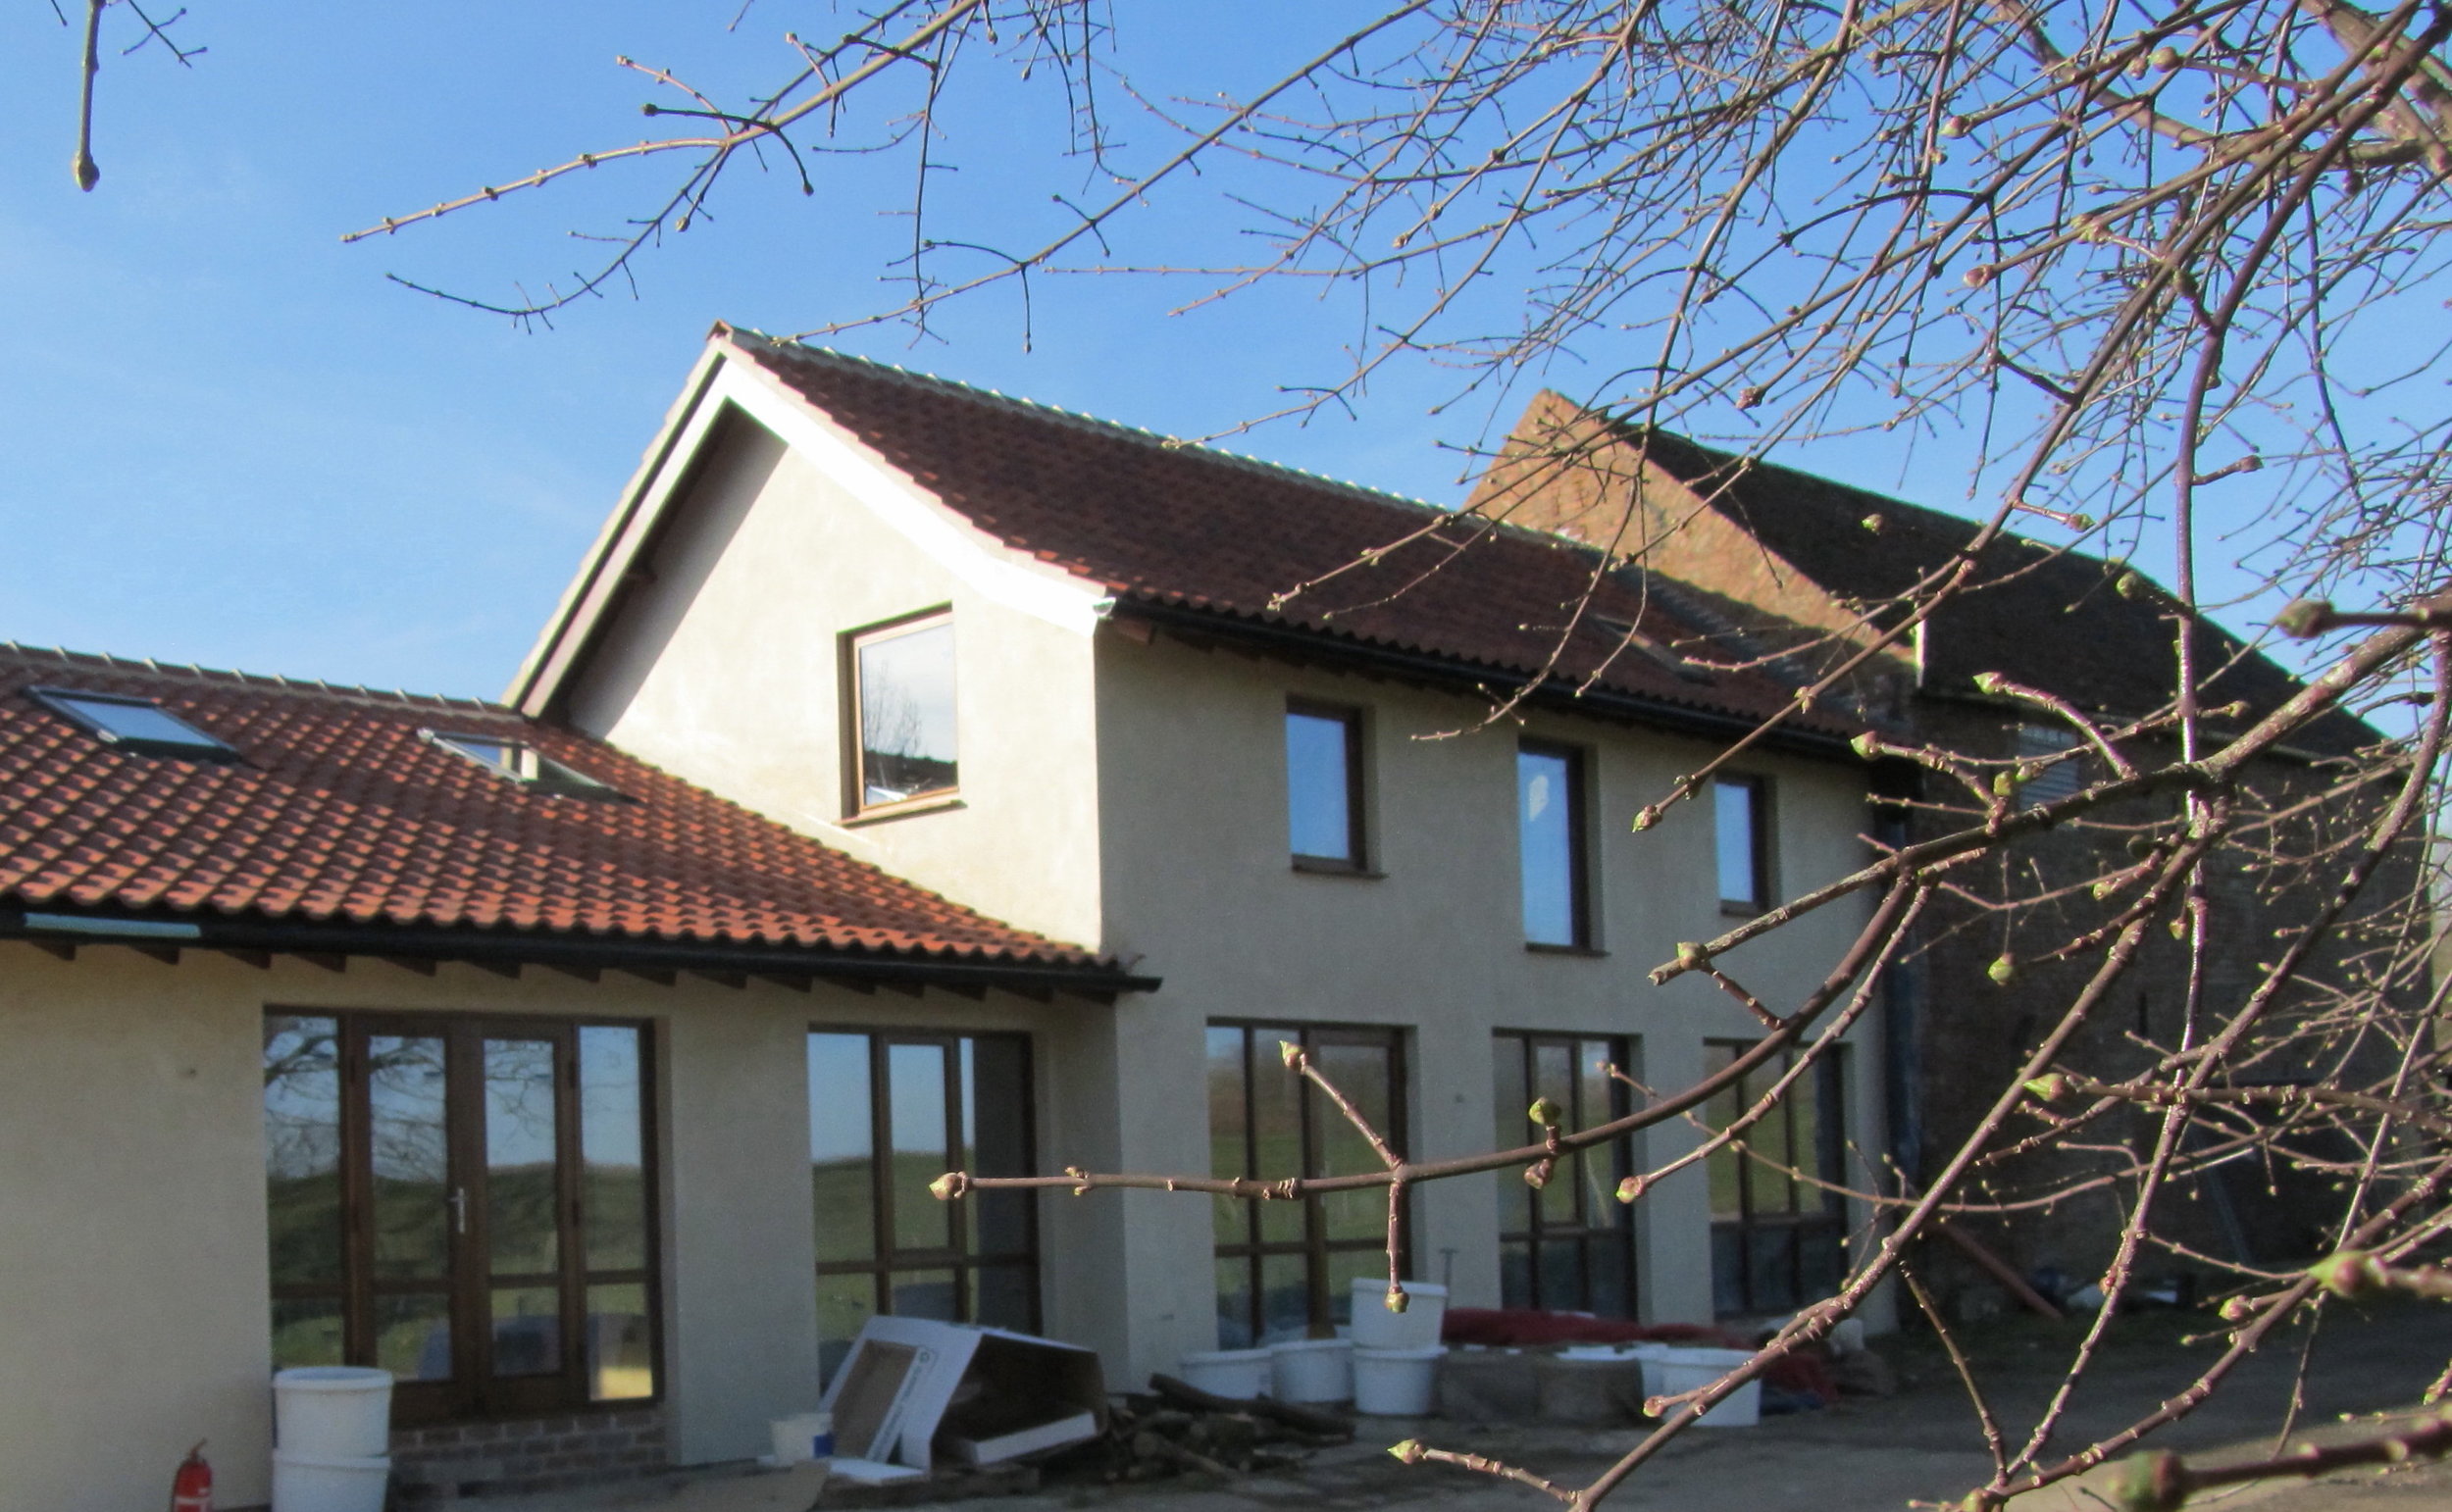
x=339 y=810
x=2047 y=616
x=1192 y=527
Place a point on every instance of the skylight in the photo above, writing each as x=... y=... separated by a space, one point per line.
x=517 y=762
x=137 y=725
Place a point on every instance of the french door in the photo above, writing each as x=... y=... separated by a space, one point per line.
x=465 y=1203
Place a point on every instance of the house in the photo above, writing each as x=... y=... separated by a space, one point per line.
x=911 y=779
x=1806 y=572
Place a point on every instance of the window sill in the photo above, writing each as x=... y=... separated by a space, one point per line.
x=1730 y=910
x=1329 y=866
x=910 y=810
x=1535 y=947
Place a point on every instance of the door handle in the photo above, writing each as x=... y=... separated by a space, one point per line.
x=459 y=1210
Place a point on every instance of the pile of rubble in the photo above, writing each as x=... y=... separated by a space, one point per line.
x=1175 y=1428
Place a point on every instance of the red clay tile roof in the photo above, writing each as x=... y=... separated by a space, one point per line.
x=339 y=812
x=1193 y=528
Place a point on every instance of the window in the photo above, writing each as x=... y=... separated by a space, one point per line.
x=516 y=761
x=1740 y=817
x=1286 y=1270
x=2061 y=779
x=1568 y=1246
x=468 y=1203
x=902 y=702
x=1776 y=1238
x=137 y=725
x=1550 y=830
x=889 y=1113
x=1324 y=786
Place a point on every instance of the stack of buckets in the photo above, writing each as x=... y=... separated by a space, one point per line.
x=332 y=1438
x=1395 y=1355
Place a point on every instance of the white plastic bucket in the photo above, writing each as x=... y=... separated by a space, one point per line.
x=1312 y=1370
x=1242 y=1373
x=315 y=1483
x=333 y=1412
x=800 y=1438
x=1680 y=1371
x=1416 y=1328
x=1396 y=1383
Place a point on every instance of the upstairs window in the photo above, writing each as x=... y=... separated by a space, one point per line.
x=516 y=761
x=137 y=725
x=2061 y=779
x=1549 y=834
x=903 y=703
x=1740 y=814
x=1324 y=788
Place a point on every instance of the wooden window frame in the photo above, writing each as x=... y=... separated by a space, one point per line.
x=1578 y=841
x=1613 y=1230
x=1357 y=861
x=855 y=804
x=1314 y=1246
x=1828 y=1219
x=472 y=1392
x=886 y=1259
x=1757 y=789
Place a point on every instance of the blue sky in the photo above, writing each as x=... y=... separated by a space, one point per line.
x=232 y=441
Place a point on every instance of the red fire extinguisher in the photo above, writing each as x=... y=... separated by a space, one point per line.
x=191 y=1490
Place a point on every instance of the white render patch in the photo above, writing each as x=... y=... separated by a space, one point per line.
x=983 y=565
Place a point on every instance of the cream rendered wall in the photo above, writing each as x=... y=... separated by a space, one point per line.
x=133 y=1274
x=726 y=667
x=1192 y=767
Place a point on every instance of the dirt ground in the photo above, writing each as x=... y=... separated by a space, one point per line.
x=1863 y=1456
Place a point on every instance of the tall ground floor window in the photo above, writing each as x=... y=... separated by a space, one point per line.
x=466 y=1202
x=1568 y=1246
x=1285 y=1269
x=889 y=1113
x=1776 y=1235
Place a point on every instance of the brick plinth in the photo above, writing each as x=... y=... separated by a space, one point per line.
x=534 y=1454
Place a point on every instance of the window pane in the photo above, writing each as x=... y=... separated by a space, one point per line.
x=1509 y=1098
x=915 y=1112
x=1545 y=839
x=1733 y=812
x=1284 y=1298
x=841 y=1143
x=1345 y=1268
x=1516 y=1275
x=613 y=1196
x=1771 y=1267
x=1276 y=1133
x=924 y=1294
x=407 y=1151
x=1234 y=1303
x=620 y=1360
x=306 y=1332
x=1319 y=787
x=302 y=1149
x=1563 y=1275
x=906 y=713
x=527 y=1331
x=996 y=1085
x=843 y=1303
x=1228 y=1127
x=1553 y=1078
x=1361 y=1072
x=1612 y=1292
x=523 y=1185
x=1768 y=1188
x=413 y=1336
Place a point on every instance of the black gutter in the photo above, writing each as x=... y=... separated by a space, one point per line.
x=1559 y=693
x=589 y=952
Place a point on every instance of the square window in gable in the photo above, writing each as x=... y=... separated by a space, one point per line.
x=138 y=724
x=903 y=740
x=516 y=761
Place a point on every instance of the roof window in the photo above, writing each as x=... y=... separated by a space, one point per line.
x=517 y=762
x=138 y=724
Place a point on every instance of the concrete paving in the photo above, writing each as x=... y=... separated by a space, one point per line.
x=1863 y=1456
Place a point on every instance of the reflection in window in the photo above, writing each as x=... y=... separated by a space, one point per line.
x=1285 y=1269
x=1569 y=1245
x=904 y=677
x=941 y=1102
x=1323 y=787
x=1738 y=809
x=2039 y=743
x=1548 y=826
x=1776 y=1235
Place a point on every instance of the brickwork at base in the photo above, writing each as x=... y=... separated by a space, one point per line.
x=534 y=1454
